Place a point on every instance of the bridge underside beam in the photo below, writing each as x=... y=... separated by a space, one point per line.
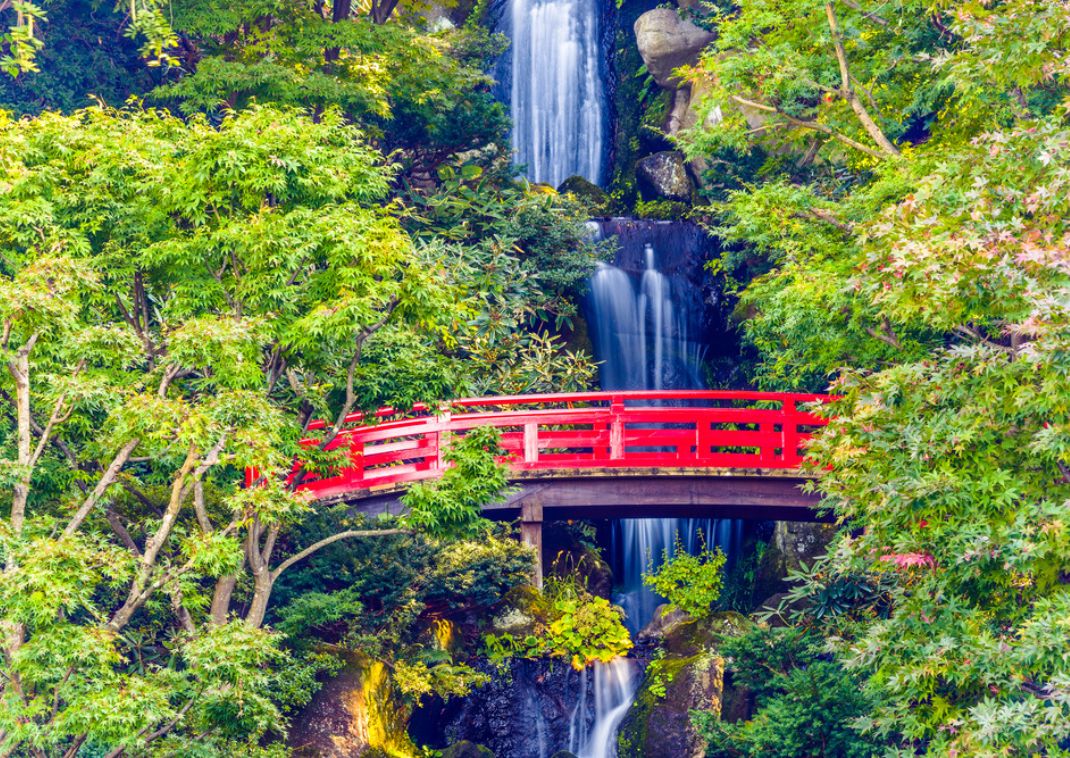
x=759 y=497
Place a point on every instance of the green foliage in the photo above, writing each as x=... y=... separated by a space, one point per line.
x=451 y=506
x=22 y=41
x=399 y=602
x=82 y=57
x=806 y=703
x=571 y=623
x=180 y=297
x=661 y=210
x=912 y=251
x=425 y=92
x=417 y=679
x=690 y=582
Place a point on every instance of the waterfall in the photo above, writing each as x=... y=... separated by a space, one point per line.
x=613 y=688
x=643 y=325
x=557 y=91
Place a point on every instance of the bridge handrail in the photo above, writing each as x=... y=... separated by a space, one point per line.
x=612 y=429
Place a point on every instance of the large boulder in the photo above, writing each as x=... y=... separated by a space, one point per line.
x=663 y=176
x=667 y=42
x=597 y=200
x=688 y=674
x=356 y=713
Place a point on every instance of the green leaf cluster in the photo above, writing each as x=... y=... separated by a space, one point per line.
x=691 y=582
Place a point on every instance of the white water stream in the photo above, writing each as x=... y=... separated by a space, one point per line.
x=557 y=92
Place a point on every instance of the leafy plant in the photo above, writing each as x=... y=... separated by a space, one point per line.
x=452 y=506
x=690 y=582
x=806 y=703
x=572 y=624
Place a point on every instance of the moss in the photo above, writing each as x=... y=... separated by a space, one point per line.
x=387 y=718
x=595 y=200
x=661 y=210
x=652 y=120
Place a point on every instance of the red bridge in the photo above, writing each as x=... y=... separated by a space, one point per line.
x=598 y=454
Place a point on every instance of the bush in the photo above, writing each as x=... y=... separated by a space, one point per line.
x=691 y=583
x=806 y=702
x=570 y=623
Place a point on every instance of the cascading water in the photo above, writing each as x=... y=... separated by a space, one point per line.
x=643 y=329
x=612 y=691
x=557 y=90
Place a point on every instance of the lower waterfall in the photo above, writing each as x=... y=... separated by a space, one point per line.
x=645 y=326
x=612 y=691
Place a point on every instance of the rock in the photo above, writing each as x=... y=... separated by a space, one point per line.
x=663 y=176
x=356 y=713
x=529 y=702
x=662 y=623
x=667 y=42
x=792 y=543
x=689 y=676
x=594 y=198
x=466 y=749
x=563 y=754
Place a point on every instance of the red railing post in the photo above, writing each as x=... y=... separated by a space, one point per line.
x=616 y=428
x=790 y=429
x=531 y=442
x=355 y=474
x=442 y=437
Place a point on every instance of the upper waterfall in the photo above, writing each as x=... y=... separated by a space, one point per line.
x=557 y=92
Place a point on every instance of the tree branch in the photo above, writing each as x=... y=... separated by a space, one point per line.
x=331 y=540
x=871 y=15
x=815 y=125
x=848 y=92
x=103 y=483
x=887 y=333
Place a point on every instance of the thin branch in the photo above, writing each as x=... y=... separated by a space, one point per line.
x=815 y=125
x=848 y=92
x=871 y=15
x=974 y=333
x=76 y=746
x=199 y=509
x=331 y=540
x=103 y=483
x=124 y=536
x=887 y=333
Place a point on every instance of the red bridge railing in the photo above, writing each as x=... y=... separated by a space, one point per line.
x=591 y=430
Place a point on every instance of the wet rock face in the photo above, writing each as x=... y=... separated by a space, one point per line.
x=663 y=176
x=688 y=675
x=356 y=713
x=667 y=42
x=522 y=713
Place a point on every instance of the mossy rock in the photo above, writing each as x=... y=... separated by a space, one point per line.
x=792 y=544
x=658 y=725
x=595 y=199
x=357 y=712
x=689 y=676
x=466 y=749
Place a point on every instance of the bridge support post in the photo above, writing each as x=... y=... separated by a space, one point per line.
x=531 y=535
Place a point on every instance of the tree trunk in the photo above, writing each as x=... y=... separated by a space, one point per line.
x=262 y=582
x=20 y=372
x=224 y=590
